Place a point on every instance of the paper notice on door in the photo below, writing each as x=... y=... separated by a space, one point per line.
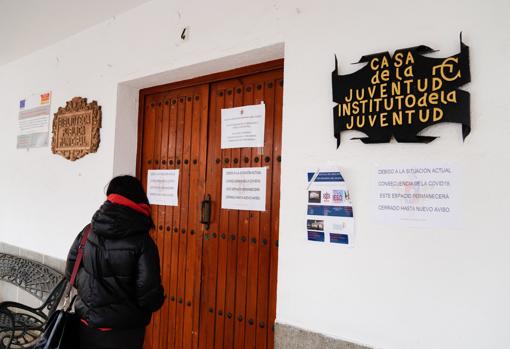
x=243 y=127
x=244 y=188
x=162 y=187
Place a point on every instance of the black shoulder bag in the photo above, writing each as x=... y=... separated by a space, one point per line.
x=61 y=330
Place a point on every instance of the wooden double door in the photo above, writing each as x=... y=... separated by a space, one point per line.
x=220 y=280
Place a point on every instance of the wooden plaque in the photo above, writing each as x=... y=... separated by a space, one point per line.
x=76 y=129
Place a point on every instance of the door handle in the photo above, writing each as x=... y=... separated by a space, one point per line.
x=205 y=216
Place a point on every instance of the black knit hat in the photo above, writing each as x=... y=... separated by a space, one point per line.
x=129 y=187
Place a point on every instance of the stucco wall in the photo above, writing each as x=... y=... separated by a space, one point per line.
x=398 y=288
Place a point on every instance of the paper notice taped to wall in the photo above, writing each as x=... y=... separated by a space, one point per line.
x=329 y=211
x=421 y=195
x=33 y=121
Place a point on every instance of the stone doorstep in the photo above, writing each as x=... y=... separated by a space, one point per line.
x=290 y=337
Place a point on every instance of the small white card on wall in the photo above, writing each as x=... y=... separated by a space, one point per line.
x=162 y=187
x=243 y=127
x=244 y=188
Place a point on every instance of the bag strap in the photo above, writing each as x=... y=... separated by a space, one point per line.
x=68 y=303
x=79 y=256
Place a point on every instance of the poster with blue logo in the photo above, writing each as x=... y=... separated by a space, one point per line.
x=33 y=121
x=329 y=208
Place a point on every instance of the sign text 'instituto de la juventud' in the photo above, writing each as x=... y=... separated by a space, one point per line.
x=399 y=96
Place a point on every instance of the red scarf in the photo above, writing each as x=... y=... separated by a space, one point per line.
x=121 y=200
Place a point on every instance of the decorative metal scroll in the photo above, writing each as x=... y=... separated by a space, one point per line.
x=36 y=278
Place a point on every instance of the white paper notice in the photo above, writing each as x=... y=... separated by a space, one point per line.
x=162 y=187
x=33 y=121
x=244 y=188
x=243 y=127
x=417 y=195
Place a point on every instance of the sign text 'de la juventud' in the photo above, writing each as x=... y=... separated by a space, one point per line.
x=399 y=96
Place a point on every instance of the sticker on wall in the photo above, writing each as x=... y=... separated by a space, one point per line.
x=329 y=214
x=244 y=188
x=243 y=127
x=34 y=121
x=400 y=95
x=163 y=187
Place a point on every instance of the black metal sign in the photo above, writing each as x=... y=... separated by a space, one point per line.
x=400 y=95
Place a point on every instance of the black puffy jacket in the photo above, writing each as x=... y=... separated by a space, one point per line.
x=119 y=282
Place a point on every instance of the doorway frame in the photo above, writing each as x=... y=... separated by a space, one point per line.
x=209 y=79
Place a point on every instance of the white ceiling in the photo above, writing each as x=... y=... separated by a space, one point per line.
x=29 y=25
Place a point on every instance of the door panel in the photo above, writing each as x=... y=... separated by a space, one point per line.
x=174 y=137
x=275 y=213
x=236 y=311
x=220 y=282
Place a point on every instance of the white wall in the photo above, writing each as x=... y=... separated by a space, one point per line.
x=398 y=288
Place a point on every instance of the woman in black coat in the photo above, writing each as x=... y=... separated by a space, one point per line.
x=118 y=282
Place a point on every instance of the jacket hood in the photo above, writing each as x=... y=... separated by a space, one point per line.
x=115 y=221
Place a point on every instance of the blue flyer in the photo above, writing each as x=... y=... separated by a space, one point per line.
x=330 y=217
